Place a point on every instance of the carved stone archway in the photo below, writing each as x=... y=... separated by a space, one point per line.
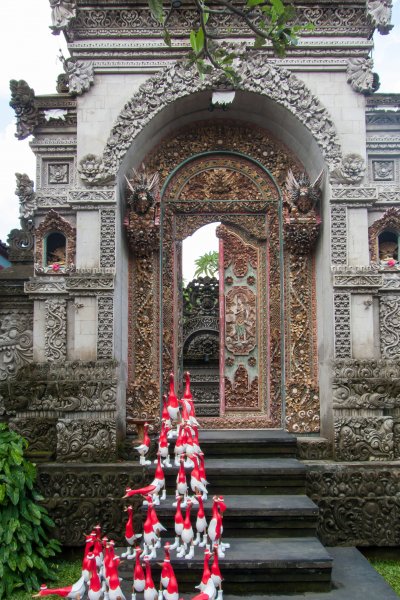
x=257 y=75
x=202 y=184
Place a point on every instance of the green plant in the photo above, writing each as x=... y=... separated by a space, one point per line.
x=207 y=264
x=24 y=542
x=268 y=21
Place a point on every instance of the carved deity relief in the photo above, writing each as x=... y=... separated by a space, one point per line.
x=241 y=321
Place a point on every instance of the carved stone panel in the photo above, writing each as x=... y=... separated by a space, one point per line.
x=16 y=345
x=389 y=325
x=342 y=325
x=358 y=505
x=107 y=237
x=87 y=440
x=364 y=438
x=240 y=320
x=105 y=327
x=338 y=235
x=41 y=435
x=56 y=330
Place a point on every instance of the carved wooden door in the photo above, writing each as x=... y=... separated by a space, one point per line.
x=240 y=324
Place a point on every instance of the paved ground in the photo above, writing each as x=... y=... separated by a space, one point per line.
x=353 y=579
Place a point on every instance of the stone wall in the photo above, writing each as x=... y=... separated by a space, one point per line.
x=65 y=411
x=358 y=502
x=78 y=497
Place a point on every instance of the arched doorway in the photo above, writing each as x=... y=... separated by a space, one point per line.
x=233 y=173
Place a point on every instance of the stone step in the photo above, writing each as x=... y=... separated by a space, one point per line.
x=248 y=442
x=251 y=566
x=258 y=516
x=247 y=476
x=230 y=443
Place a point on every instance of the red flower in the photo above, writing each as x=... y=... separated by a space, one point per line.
x=55 y=267
x=391 y=262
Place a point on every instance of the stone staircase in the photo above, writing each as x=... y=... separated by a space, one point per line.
x=270 y=522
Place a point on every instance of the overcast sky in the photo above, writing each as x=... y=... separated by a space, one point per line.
x=29 y=51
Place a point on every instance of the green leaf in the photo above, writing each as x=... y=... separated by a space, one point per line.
x=259 y=41
x=193 y=41
x=200 y=40
x=251 y=3
x=278 y=6
x=156 y=9
x=167 y=38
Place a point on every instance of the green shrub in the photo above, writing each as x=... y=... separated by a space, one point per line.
x=24 y=542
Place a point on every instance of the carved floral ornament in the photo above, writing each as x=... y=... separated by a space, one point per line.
x=351 y=170
x=256 y=75
x=360 y=75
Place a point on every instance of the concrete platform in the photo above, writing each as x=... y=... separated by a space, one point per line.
x=353 y=578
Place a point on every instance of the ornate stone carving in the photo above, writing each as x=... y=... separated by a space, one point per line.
x=58 y=173
x=185 y=218
x=109 y=21
x=370 y=394
x=241 y=320
x=358 y=195
x=80 y=75
x=364 y=438
x=361 y=77
x=26 y=195
x=62 y=12
x=143 y=393
x=358 y=505
x=54 y=222
x=380 y=13
x=363 y=369
x=241 y=394
x=201 y=299
x=256 y=75
x=41 y=435
x=23 y=103
x=107 y=237
x=78 y=499
x=92 y=170
x=342 y=325
x=351 y=170
x=88 y=440
x=338 y=235
x=21 y=242
x=61 y=396
x=389 y=325
x=390 y=220
x=302 y=196
x=237 y=253
x=383 y=170
x=358 y=280
x=16 y=332
x=309 y=448
x=105 y=327
x=200 y=346
x=56 y=330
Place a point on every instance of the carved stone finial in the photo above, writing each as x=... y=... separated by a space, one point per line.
x=302 y=195
x=142 y=191
x=26 y=195
x=302 y=221
x=361 y=77
x=380 y=13
x=80 y=75
x=351 y=170
x=92 y=170
x=21 y=243
x=62 y=12
x=23 y=102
